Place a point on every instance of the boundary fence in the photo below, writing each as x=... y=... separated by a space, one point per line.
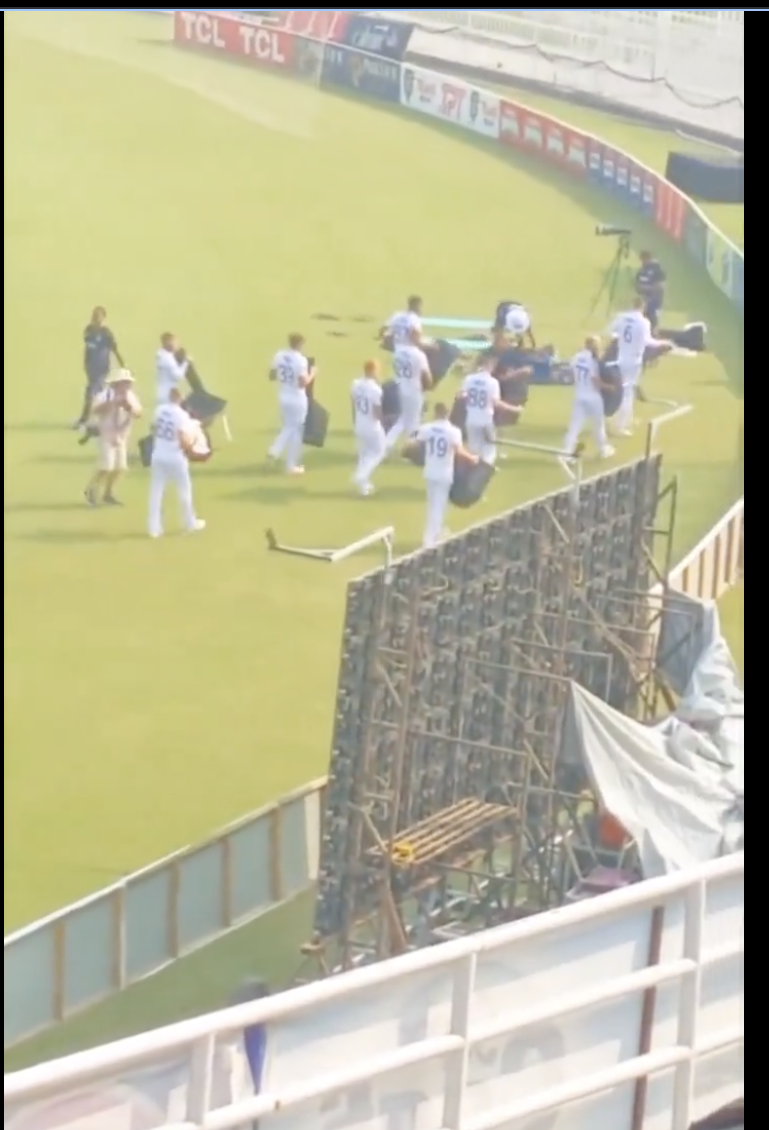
x=86 y=952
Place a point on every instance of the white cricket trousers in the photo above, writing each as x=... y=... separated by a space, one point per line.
x=290 y=441
x=437 y=504
x=586 y=412
x=372 y=448
x=410 y=419
x=630 y=373
x=480 y=441
x=164 y=473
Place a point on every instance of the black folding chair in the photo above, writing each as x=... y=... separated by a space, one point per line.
x=470 y=483
x=316 y=424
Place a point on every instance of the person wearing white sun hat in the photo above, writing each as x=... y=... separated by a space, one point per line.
x=113 y=412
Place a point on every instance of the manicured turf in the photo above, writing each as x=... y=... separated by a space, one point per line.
x=154 y=691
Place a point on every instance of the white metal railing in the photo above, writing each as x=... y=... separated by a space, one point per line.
x=547 y=1022
x=105 y=943
x=717 y=562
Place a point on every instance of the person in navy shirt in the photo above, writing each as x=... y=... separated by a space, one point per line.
x=100 y=347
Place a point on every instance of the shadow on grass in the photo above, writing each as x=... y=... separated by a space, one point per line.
x=78 y=458
x=36 y=426
x=43 y=507
x=80 y=537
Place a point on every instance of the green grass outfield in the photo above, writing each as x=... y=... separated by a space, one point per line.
x=154 y=691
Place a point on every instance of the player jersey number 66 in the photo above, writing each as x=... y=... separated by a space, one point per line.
x=165 y=429
x=403 y=368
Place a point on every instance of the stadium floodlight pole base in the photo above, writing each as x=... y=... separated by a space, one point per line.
x=675 y=412
x=385 y=537
x=569 y=462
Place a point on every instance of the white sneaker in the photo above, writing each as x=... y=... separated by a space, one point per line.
x=625 y=432
x=366 y=490
x=296 y=471
x=608 y=452
x=156 y=533
x=198 y=525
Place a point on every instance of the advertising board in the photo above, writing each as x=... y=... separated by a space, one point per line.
x=379 y=37
x=355 y=70
x=450 y=100
x=265 y=46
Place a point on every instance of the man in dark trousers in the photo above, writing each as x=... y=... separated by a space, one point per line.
x=650 y=282
x=100 y=348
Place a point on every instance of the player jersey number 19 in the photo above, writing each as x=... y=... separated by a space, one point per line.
x=438 y=447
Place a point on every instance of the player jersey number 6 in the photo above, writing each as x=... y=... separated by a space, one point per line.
x=362 y=405
x=627 y=333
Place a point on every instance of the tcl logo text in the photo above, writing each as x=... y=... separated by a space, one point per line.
x=234 y=37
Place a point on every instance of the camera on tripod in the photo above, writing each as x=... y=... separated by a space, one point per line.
x=624 y=235
x=611 y=277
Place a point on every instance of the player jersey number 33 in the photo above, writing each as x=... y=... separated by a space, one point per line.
x=291 y=369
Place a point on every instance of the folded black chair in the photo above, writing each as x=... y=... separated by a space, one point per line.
x=391 y=404
x=316 y=424
x=145 y=450
x=611 y=395
x=442 y=358
x=470 y=483
x=203 y=405
x=691 y=337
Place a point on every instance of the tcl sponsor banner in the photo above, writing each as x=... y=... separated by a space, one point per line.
x=380 y=37
x=229 y=35
x=377 y=78
x=525 y=129
x=451 y=100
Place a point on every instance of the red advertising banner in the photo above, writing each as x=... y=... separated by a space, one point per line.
x=318 y=23
x=216 y=32
x=671 y=210
x=524 y=129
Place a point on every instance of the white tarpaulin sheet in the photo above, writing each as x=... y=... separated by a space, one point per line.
x=678 y=787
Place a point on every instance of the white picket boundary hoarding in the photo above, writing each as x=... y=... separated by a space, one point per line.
x=545 y=1024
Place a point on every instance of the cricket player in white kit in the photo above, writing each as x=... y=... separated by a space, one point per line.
x=587 y=408
x=366 y=397
x=442 y=443
x=482 y=393
x=633 y=332
x=404 y=326
x=291 y=369
x=173 y=438
x=169 y=372
x=412 y=373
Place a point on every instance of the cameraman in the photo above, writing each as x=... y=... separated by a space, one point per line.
x=650 y=282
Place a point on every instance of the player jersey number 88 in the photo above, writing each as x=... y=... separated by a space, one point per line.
x=477 y=398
